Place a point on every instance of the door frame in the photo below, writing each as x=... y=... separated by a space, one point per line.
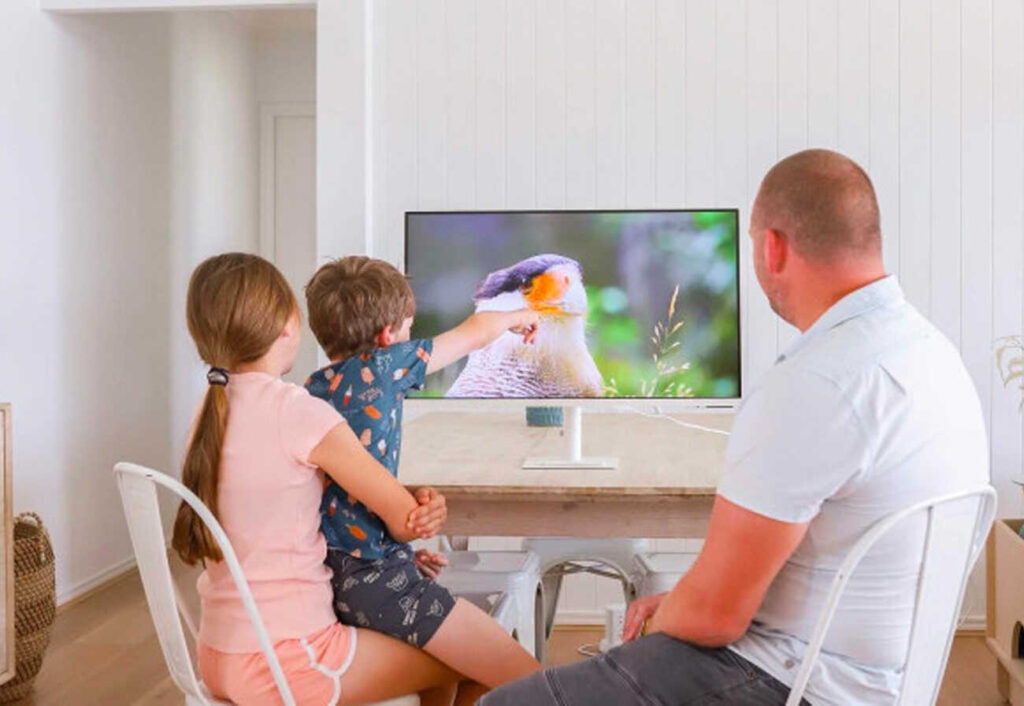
x=269 y=114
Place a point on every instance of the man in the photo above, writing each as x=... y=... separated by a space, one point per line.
x=868 y=412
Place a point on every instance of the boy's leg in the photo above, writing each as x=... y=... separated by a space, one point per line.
x=473 y=644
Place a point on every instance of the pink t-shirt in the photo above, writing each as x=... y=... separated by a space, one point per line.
x=268 y=500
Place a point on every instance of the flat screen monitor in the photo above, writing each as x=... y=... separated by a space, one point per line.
x=631 y=304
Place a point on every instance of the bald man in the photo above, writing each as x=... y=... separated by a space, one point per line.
x=869 y=411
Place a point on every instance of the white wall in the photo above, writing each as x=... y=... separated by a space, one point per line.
x=608 y=103
x=84 y=181
x=130 y=152
x=215 y=178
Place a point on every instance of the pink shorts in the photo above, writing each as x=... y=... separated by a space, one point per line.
x=313 y=667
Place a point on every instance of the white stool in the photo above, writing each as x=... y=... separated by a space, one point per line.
x=562 y=556
x=660 y=571
x=516 y=574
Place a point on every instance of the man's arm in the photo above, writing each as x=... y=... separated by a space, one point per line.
x=476 y=332
x=713 y=604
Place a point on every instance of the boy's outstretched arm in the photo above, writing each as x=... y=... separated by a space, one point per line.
x=477 y=331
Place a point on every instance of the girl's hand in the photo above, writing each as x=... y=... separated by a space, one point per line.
x=637 y=615
x=525 y=323
x=427 y=520
x=430 y=563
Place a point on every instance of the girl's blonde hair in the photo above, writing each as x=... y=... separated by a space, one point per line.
x=236 y=307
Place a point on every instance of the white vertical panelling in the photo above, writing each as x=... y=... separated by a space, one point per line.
x=758 y=325
x=945 y=167
x=823 y=73
x=853 y=81
x=431 y=107
x=521 y=136
x=1007 y=232
x=976 y=199
x=610 y=102
x=699 y=72
x=399 y=102
x=551 y=104
x=580 y=147
x=605 y=103
x=491 y=116
x=915 y=152
x=640 y=80
x=670 y=110
x=731 y=104
x=884 y=126
x=794 y=103
x=460 y=101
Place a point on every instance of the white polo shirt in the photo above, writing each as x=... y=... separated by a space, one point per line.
x=869 y=411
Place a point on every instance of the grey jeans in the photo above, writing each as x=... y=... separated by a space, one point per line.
x=656 y=670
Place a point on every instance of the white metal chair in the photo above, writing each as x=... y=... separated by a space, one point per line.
x=564 y=556
x=517 y=574
x=137 y=485
x=957 y=525
x=658 y=572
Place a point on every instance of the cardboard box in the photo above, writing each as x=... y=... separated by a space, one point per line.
x=1005 y=611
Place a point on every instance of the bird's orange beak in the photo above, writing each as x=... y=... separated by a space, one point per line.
x=546 y=292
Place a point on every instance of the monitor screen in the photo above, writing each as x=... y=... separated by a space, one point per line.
x=631 y=304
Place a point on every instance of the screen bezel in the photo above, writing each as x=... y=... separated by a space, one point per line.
x=641 y=404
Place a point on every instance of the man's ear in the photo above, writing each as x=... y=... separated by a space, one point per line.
x=776 y=250
x=385 y=337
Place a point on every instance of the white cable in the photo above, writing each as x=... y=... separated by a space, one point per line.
x=679 y=422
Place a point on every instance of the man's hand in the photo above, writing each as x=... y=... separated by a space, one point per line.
x=638 y=613
x=428 y=518
x=430 y=563
x=525 y=322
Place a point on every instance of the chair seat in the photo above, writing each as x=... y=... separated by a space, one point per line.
x=658 y=572
x=515 y=574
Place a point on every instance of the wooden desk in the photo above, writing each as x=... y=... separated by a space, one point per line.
x=664 y=485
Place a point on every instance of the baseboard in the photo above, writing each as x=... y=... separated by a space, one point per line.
x=971 y=624
x=579 y=617
x=83 y=589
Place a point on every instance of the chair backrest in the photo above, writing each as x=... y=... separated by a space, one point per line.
x=137 y=485
x=956 y=527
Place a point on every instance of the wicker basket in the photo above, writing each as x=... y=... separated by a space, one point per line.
x=35 y=602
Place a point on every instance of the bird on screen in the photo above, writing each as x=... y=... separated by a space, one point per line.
x=558 y=364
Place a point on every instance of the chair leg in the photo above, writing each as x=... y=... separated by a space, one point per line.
x=552 y=581
x=540 y=650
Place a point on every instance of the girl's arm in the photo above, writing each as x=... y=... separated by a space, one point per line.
x=345 y=460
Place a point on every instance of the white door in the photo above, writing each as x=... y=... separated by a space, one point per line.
x=288 y=208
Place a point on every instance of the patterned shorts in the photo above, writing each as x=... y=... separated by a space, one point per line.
x=388 y=595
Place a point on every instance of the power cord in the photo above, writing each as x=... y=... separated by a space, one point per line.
x=658 y=414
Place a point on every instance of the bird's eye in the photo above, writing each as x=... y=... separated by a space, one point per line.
x=565 y=279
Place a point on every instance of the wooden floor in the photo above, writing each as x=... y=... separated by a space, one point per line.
x=104 y=651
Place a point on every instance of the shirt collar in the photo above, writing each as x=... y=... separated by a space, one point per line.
x=858 y=302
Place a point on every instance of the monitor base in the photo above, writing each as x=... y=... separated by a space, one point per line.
x=606 y=463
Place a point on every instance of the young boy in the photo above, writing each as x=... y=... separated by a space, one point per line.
x=361 y=310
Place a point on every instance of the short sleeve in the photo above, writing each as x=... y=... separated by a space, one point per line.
x=408 y=363
x=795 y=443
x=305 y=421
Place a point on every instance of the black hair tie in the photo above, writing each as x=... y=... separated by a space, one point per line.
x=217 y=376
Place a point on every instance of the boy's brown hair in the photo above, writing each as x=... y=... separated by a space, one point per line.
x=353 y=299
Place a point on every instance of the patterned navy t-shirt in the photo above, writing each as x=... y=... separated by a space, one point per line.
x=368 y=390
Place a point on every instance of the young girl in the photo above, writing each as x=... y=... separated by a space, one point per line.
x=254 y=459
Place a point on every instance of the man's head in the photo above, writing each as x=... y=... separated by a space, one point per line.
x=357 y=304
x=815 y=227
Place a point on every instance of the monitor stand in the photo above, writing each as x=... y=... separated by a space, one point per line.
x=574 y=458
